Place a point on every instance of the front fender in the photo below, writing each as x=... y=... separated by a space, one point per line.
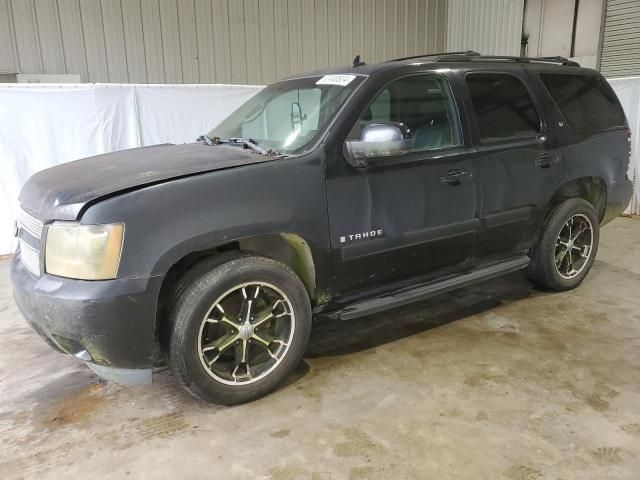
x=167 y=221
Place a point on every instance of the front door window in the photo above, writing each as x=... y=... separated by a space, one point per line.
x=421 y=103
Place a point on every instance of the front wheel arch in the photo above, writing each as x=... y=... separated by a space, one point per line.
x=288 y=248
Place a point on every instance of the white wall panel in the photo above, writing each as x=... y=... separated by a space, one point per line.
x=252 y=42
x=549 y=27
x=294 y=16
x=93 y=31
x=333 y=35
x=75 y=53
x=321 y=39
x=308 y=35
x=211 y=41
x=171 y=41
x=8 y=58
x=49 y=36
x=134 y=42
x=188 y=42
x=152 y=35
x=221 y=41
x=267 y=42
x=491 y=27
x=237 y=42
x=281 y=38
x=587 y=28
x=26 y=38
x=114 y=39
x=205 y=49
x=556 y=36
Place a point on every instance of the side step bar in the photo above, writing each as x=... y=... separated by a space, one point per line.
x=422 y=292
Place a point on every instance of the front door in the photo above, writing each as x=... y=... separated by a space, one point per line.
x=406 y=215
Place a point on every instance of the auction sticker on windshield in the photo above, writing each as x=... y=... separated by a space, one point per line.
x=341 y=80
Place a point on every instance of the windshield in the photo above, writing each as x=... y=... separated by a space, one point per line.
x=289 y=116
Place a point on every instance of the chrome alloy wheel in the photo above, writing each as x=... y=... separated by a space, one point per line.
x=573 y=246
x=246 y=333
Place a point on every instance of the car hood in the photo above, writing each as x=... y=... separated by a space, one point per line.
x=61 y=192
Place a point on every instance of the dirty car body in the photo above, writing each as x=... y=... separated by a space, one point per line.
x=364 y=234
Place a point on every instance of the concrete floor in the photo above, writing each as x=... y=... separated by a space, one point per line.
x=496 y=381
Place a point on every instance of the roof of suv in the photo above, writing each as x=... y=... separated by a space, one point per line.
x=438 y=59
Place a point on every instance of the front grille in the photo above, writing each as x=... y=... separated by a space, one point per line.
x=30 y=258
x=30 y=224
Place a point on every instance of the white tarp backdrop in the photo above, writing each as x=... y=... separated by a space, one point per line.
x=628 y=91
x=44 y=125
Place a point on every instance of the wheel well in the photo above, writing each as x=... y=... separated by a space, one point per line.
x=591 y=189
x=290 y=249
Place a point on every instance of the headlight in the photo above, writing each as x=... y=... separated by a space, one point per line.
x=85 y=252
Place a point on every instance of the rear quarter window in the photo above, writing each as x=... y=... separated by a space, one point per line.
x=586 y=101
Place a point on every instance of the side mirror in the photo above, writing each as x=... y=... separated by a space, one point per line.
x=378 y=141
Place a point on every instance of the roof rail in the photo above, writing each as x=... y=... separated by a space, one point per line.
x=455 y=57
x=469 y=53
x=561 y=60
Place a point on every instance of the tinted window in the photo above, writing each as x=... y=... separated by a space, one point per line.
x=586 y=101
x=503 y=106
x=422 y=103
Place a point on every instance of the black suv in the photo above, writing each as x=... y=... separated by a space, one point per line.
x=339 y=194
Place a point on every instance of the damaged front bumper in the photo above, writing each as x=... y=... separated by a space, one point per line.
x=107 y=324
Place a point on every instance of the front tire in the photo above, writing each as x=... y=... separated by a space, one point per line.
x=567 y=248
x=238 y=327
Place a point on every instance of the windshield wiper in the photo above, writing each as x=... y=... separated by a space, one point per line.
x=206 y=140
x=247 y=143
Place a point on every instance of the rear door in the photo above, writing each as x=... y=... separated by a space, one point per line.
x=517 y=161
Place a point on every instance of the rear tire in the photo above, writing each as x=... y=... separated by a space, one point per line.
x=568 y=246
x=238 y=326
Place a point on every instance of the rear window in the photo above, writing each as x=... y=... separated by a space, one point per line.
x=503 y=106
x=586 y=101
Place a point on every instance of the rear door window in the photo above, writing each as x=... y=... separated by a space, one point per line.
x=586 y=101
x=503 y=107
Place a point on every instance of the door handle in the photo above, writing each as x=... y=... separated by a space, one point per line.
x=545 y=160
x=455 y=177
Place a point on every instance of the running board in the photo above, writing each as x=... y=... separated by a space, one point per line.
x=422 y=292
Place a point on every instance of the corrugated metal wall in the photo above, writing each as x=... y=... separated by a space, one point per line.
x=620 y=55
x=210 y=41
x=491 y=27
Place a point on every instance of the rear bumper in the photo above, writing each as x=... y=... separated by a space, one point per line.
x=108 y=324
x=618 y=197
